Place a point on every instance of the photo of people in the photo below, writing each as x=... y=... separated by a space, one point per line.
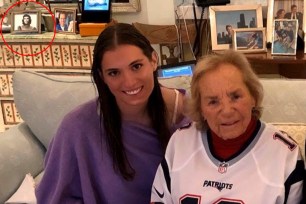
x=290 y=10
x=284 y=39
x=227 y=20
x=249 y=40
x=26 y=22
x=65 y=20
x=223 y=19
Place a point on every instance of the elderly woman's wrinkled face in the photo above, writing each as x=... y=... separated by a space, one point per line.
x=226 y=102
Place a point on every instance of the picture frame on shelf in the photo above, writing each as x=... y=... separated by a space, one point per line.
x=249 y=40
x=65 y=20
x=26 y=22
x=281 y=9
x=284 y=38
x=224 y=18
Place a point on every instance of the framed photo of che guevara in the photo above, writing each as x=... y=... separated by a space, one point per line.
x=26 y=22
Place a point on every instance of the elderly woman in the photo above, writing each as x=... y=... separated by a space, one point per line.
x=228 y=155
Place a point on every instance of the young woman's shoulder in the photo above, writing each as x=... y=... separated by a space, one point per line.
x=175 y=100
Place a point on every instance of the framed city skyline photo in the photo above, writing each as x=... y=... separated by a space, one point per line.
x=26 y=22
x=249 y=40
x=284 y=38
x=65 y=20
x=285 y=9
x=223 y=19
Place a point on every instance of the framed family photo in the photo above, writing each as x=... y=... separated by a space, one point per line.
x=284 y=38
x=285 y=9
x=65 y=20
x=248 y=40
x=26 y=22
x=223 y=19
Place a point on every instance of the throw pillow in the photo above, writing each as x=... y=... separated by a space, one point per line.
x=43 y=100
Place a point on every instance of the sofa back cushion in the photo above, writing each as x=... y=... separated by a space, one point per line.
x=284 y=100
x=43 y=100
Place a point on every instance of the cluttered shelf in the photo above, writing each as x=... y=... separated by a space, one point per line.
x=48 y=37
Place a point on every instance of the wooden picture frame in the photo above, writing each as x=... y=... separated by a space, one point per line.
x=284 y=38
x=26 y=22
x=223 y=18
x=65 y=20
x=275 y=8
x=249 y=40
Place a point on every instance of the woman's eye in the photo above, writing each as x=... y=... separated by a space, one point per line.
x=137 y=66
x=212 y=102
x=235 y=97
x=113 y=73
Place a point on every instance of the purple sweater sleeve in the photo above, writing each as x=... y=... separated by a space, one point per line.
x=61 y=182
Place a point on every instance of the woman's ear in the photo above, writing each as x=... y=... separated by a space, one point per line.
x=154 y=60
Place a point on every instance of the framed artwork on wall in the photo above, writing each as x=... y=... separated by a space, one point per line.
x=248 y=40
x=285 y=9
x=26 y=22
x=65 y=20
x=223 y=19
x=284 y=38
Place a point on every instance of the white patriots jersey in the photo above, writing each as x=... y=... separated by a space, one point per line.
x=269 y=170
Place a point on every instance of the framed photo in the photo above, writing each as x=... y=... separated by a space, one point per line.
x=224 y=18
x=65 y=20
x=27 y=21
x=249 y=40
x=285 y=9
x=284 y=38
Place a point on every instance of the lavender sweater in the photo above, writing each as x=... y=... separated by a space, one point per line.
x=78 y=168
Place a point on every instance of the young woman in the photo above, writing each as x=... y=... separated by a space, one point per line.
x=108 y=150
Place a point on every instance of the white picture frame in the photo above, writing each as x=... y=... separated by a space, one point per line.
x=284 y=38
x=234 y=15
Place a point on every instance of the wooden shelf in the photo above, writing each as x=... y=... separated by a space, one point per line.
x=299 y=58
x=266 y=64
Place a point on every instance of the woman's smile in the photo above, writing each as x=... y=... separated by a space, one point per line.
x=133 y=92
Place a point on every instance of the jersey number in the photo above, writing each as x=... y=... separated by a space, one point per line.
x=196 y=199
x=290 y=144
x=228 y=201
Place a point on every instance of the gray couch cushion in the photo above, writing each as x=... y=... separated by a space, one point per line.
x=21 y=153
x=43 y=100
x=284 y=100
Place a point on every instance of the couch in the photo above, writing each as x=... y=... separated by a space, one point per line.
x=43 y=100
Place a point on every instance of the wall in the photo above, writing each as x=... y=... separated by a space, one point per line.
x=151 y=12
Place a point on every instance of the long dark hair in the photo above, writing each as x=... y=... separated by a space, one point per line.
x=110 y=117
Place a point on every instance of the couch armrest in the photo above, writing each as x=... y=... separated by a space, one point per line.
x=20 y=153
